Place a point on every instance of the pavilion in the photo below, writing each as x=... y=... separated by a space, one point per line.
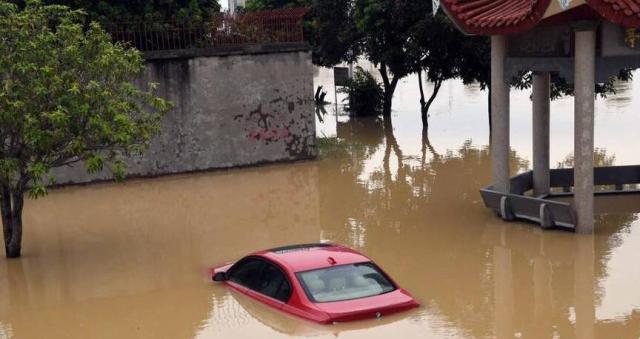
x=583 y=41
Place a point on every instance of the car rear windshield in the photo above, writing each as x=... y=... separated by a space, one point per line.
x=345 y=282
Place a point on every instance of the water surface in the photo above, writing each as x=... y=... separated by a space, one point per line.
x=130 y=260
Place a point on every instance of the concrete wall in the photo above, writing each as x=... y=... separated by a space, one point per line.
x=233 y=110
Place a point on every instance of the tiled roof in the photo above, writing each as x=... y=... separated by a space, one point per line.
x=489 y=17
x=496 y=16
x=623 y=12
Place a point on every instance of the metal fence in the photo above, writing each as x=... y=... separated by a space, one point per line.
x=275 y=26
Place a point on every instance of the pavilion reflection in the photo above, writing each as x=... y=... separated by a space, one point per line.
x=424 y=222
x=5 y=331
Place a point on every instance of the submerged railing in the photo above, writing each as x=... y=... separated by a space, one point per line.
x=274 y=26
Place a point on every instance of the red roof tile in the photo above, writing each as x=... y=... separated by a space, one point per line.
x=622 y=12
x=489 y=17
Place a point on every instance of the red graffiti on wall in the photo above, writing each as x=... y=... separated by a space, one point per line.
x=264 y=134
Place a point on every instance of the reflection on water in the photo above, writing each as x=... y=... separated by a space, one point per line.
x=130 y=260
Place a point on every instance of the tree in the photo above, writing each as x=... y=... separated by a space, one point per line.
x=384 y=27
x=259 y=5
x=434 y=49
x=332 y=33
x=65 y=98
x=148 y=10
x=400 y=38
x=561 y=87
x=342 y=30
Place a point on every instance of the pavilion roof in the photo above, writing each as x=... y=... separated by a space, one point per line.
x=499 y=17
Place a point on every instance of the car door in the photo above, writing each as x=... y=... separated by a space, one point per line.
x=271 y=286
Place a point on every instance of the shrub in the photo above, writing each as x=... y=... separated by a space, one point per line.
x=365 y=94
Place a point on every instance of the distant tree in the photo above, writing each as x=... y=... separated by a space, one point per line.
x=342 y=30
x=332 y=33
x=441 y=51
x=141 y=10
x=400 y=38
x=561 y=87
x=329 y=27
x=258 y=5
x=384 y=28
x=65 y=98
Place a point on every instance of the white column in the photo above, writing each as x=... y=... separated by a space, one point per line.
x=499 y=115
x=541 y=98
x=585 y=54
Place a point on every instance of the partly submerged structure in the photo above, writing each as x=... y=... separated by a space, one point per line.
x=583 y=41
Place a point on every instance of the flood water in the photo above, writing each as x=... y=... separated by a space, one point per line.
x=130 y=260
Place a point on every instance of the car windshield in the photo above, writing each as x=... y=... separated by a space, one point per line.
x=345 y=282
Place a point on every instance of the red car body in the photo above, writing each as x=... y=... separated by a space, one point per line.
x=295 y=260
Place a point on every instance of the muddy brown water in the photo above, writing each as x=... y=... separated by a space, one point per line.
x=130 y=260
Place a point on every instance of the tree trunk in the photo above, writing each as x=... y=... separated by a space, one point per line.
x=11 y=206
x=426 y=105
x=425 y=121
x=5 y=205
x=389 y=89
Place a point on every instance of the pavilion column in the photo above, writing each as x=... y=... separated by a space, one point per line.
x=541 y=98
x=499 y=115
x=585 y=54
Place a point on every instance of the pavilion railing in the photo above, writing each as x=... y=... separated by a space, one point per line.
x=275 y=26
x=552 y=213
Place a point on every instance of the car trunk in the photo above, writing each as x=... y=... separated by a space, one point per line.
x=369 y=307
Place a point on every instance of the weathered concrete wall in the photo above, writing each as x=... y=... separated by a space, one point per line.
x=233 y=110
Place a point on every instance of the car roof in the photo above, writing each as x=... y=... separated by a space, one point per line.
x=305 y=257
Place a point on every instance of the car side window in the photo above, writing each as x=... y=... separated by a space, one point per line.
x=273 y=283
x=246 y=272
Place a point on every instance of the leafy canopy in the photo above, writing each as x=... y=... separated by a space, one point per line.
x=66 y=97
x=258 y=5
x=138 y=10
x=365 y=94
x=332 y=33
x=384 y=28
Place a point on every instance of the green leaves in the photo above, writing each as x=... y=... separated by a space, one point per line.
x=94 y=163
x=259 y=5
x=37 y=172
x=126 y=11
x=66 y=97
x=8 y=168
x=365 y=94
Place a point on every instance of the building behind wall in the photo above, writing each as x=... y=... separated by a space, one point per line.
x=235 y=4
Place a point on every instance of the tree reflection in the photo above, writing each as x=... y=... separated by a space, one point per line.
x=425 y=215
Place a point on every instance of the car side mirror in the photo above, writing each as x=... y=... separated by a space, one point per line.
x=220 y=276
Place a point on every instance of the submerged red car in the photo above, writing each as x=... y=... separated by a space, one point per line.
x=324 y=283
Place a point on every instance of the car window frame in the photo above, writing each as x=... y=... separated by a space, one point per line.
x=265 y=262
x=313 y=300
